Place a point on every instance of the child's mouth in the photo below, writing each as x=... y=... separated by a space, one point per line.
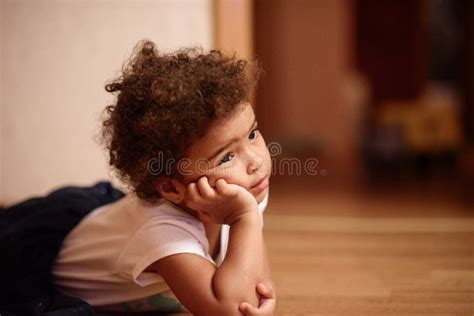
x=260 y=185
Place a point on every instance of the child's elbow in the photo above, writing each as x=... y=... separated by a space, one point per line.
x=230 y=294
x=233 y=294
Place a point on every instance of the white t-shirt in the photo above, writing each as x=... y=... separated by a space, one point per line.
x=102 y=260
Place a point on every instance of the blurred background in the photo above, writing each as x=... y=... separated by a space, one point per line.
x=379 y=93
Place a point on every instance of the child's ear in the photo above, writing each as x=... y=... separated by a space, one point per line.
x=170 y=189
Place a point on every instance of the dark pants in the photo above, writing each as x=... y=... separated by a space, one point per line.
x=31 y=235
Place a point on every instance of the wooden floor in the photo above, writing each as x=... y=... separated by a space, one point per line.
x=335 y=253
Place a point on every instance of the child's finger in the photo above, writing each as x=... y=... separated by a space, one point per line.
x=223 y=188
x=248 y=309
x=205 y=188
x=191 y=194
x=267 y=307
x=264 y=291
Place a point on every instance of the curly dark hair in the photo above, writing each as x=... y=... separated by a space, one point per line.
x=164 y=103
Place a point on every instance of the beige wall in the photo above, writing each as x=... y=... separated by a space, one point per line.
x=234 y=27
x=54 y=60
x=1 y=101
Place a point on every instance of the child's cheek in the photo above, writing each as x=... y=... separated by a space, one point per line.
x=214 y=176
x=213 y=179
x=233 y=174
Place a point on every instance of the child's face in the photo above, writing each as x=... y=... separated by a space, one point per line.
x=233 y=149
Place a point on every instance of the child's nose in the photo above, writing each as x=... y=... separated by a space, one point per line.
x=254 y=164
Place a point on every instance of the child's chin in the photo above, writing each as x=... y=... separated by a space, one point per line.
x=261 y=195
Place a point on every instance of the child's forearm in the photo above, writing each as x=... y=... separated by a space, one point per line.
x=245 y=263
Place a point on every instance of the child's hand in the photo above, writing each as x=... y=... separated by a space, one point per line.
x=266 y=306
x=222 y=205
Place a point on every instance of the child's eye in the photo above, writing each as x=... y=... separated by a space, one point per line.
x=227 y=158
x=253 y=134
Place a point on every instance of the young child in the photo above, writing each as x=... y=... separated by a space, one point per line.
x=183 y=135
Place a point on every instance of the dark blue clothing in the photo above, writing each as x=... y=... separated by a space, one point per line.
x=31 y=235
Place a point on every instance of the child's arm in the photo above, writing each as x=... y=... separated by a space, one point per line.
x=208 y=290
